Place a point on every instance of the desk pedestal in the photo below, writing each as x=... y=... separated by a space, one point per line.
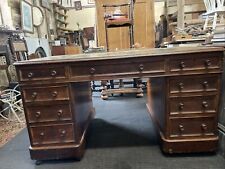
x=186 y=115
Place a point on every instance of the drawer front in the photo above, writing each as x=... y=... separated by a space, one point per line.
x=114 y=69
x=46 y=93
x=48 y=113
x=195 y=63
x=193 y=84
x=198 y=126
x=42 y=73
x=52 y=134
x=197 y=104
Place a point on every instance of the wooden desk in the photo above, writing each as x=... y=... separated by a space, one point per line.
x=183 y=97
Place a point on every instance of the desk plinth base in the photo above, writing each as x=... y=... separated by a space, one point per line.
x=73 y=152
x=191 y=145
x=188 y=145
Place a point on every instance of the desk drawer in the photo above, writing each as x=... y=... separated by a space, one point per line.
x=192 y=127
x=195 y=63
x=48 y=113
x=188 y=84
x=52 y=134
x=115 y=68
x=46 y=93
x=197 y=104
x=42 y=73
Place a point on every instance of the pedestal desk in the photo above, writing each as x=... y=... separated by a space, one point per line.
x=182 y=98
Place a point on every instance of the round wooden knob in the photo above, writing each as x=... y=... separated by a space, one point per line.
x=205 y=84
x=92 y=70
x=63 y=133
x=181 y=86
x=181 y=106
x=54 y=94
x=34 y=95
x=42 y=134
x=205 y=104
x=30 y=75
x=182 y=65
x=53 y=73
x=204 y=127
x=181 y=128
x=141 y=67
x=38 y=114
x=208 y=63
x=59 y=113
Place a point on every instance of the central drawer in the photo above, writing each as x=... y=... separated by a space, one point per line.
x=46 y=93
x=195 y=104
x=115 y=68
x=48 y=113
x=52 y=134
x=192 y=126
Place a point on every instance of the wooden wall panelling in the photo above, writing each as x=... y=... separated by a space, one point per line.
x=144 y=23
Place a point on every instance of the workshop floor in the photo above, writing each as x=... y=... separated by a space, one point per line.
x=121 y=136
x=10 y=129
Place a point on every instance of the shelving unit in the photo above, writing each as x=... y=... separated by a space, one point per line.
x=60 y=20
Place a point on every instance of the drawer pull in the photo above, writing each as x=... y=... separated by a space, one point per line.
x=208 y=63
x=34 y=95
x=59 y=113
x=181 y=106
x=205 y=104
x=53 y=73
x=181 y=86
x=92 y=70
x=54 y=94
x=30 y=75
x=205 y=84
x=182 y=65
x=38 y=114
x=204 y=127
x=181 y=128
x=42 y=134
x=141 y=67
x=63 y=133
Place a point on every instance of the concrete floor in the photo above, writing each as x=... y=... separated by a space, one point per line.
x=121 y=136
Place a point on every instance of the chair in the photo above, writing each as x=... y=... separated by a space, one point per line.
x=214 y=8
x=19 y=52
x=18 y=48
x=117 y=18
x=11 y=102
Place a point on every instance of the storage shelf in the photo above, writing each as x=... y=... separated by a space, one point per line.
x=60 y=6
x=64 y=29
x=60 y=13
x=61 y=21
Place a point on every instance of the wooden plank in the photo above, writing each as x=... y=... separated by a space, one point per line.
x=188 y=8
x=171 y=3
x=180 y=15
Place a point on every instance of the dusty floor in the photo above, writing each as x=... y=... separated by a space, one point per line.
x=9 y=129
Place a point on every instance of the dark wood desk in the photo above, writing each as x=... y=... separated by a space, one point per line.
x=183 y=97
